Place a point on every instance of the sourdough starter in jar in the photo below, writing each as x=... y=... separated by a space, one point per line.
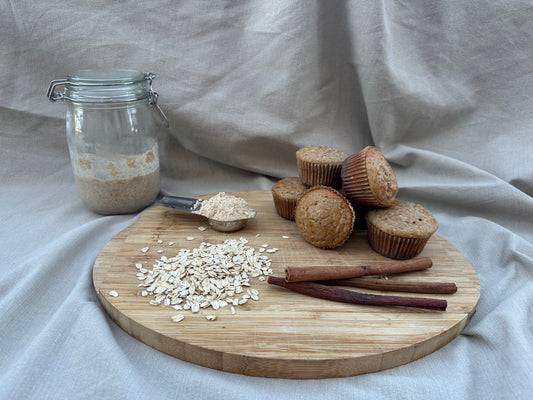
x=117 y=184
x=112 y=140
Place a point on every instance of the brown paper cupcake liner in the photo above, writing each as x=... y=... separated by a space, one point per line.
x=392 y=246
x=355 y=180
x=316 y=174
x=285 y=207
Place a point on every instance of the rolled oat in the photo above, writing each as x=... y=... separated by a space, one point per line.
x=211 y=275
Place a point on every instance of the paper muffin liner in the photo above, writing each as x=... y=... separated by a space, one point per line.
x=393 y=246
x=355 y=180
x=284 y=207
x=319 y=174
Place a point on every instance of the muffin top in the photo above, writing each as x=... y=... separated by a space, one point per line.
x=405 y=219
x=290 y=187
x=321 y=153
x=381 y=177
x=324 y=217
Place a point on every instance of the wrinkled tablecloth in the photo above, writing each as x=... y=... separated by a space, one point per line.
x=443 y=89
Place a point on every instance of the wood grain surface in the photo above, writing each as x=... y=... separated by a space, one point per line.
x=284 y=334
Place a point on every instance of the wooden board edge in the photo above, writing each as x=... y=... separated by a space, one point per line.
x=282 y=368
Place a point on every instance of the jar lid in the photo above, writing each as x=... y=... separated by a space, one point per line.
x=104 y=86
x=104 y=76
x=107 y=86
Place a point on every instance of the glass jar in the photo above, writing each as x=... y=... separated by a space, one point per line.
x=111 y=135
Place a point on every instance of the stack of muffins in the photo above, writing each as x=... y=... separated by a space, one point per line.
x=332 y=185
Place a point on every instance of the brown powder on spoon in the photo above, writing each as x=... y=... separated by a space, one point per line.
x=224 y=207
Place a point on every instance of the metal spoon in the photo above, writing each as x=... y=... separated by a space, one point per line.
x=192 y=206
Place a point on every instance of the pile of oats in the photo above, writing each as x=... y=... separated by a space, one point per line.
x=211 y=275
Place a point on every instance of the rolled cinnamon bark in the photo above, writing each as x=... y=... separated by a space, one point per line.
x=396 y=286
x=348 y=296
x=322 y=273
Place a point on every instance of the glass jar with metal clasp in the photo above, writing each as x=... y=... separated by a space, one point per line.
x=112 y=138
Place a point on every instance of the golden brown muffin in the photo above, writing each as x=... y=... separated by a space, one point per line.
x=400 y=231
x=320 y=165
x=285 y=194
x=368 y=179
x=324 y=217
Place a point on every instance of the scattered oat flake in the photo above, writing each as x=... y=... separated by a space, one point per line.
x=113 y=293
x=160 y=251
x=210 y=317
x=190 y=237
x=170 y=243
x=145 y=249
x=202 y=228
x=195 y=307
x=285 y=237
x=159 y=241
x=178 y=317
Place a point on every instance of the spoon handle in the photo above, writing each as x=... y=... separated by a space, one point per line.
x=186 y=204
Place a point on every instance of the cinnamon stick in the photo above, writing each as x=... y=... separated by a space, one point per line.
x=322 y=273
x=397 y=286
x=348 y=296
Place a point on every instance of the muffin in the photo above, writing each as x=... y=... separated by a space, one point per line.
x=320 y=165
x=324 y=217
x=400 y=231
x=368 y=179
x=285 y=194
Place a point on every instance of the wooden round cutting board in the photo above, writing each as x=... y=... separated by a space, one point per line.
x=284 y=334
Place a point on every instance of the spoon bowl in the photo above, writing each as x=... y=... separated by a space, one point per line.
x=230 y=226
x=192 y=206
